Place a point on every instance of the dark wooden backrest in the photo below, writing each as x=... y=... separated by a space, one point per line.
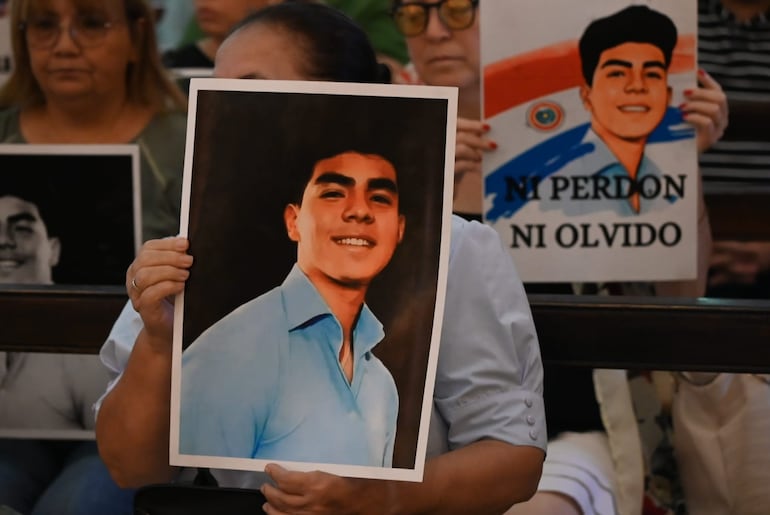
x=600 y=332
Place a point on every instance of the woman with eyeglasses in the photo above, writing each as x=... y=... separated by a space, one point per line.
x=443 y=42
x=85 y=72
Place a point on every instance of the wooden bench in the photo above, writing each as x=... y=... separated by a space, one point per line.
x=738 y=210
x=605 y=332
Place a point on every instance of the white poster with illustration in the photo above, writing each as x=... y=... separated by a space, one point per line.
x=596 y=175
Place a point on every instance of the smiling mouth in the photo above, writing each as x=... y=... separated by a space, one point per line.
x=354 y=242
x=634 y=109
x=9 y=264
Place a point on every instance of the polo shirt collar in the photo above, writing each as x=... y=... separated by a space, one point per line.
x=304 y=305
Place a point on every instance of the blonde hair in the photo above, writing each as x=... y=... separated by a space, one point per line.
x=147 y=82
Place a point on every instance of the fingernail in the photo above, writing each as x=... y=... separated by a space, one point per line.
x=687 y=92
x=493 y=145
x=701 y=72
x=486 y=127
x=682 y=107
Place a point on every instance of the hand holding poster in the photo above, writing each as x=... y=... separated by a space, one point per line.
x=308 y=330
x=596 y=176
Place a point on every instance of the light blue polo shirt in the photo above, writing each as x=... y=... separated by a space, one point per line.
x=282 y=349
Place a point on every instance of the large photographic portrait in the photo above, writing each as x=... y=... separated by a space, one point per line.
x=69 y=215
x=596 y=175
x=318 y=217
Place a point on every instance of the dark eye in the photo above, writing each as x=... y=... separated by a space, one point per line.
x=382 y=198
x=332 y=194
x=653 y=75
x=616 y=73
x=92 y=21
x=23 y=229
x=43 y=24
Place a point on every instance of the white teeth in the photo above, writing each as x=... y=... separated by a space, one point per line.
x=8 y=263
x=634 y=109
x=355 y=242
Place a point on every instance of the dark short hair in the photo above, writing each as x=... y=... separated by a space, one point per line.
x=41 y=193
x=634 y=24
x=298 y=190
x=335 y=48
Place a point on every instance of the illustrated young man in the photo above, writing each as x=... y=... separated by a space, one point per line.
x=625 y=59
x=601 y=166
x=290 y=375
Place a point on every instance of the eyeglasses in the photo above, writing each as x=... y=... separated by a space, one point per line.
x=86 y=30
x=412 y=18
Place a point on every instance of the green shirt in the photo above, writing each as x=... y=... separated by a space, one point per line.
x=374 y=17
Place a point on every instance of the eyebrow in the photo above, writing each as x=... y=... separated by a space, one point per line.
x=22 y=217
x=627 y=64
x=378 y=183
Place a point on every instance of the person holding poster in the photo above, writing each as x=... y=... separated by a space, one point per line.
x=486 y=444
x=443 y=43
x=445 y=50
x=347 y=224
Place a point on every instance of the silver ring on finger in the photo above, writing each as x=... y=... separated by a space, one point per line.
x=134 y=285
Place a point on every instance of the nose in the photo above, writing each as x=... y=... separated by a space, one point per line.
x=358 y=209
x=436 y=29
x=6 y=238
x=65 y=39
x=636 y=82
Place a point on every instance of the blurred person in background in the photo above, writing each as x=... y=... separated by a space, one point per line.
x=579 y=477
x=215 y=19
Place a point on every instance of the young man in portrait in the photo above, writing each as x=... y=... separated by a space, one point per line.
x=303 y=351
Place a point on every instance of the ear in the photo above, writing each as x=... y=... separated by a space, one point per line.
x=401 y=227
x=669 y=94
x=55 y=245
x=290 y=214
x=585 y=97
